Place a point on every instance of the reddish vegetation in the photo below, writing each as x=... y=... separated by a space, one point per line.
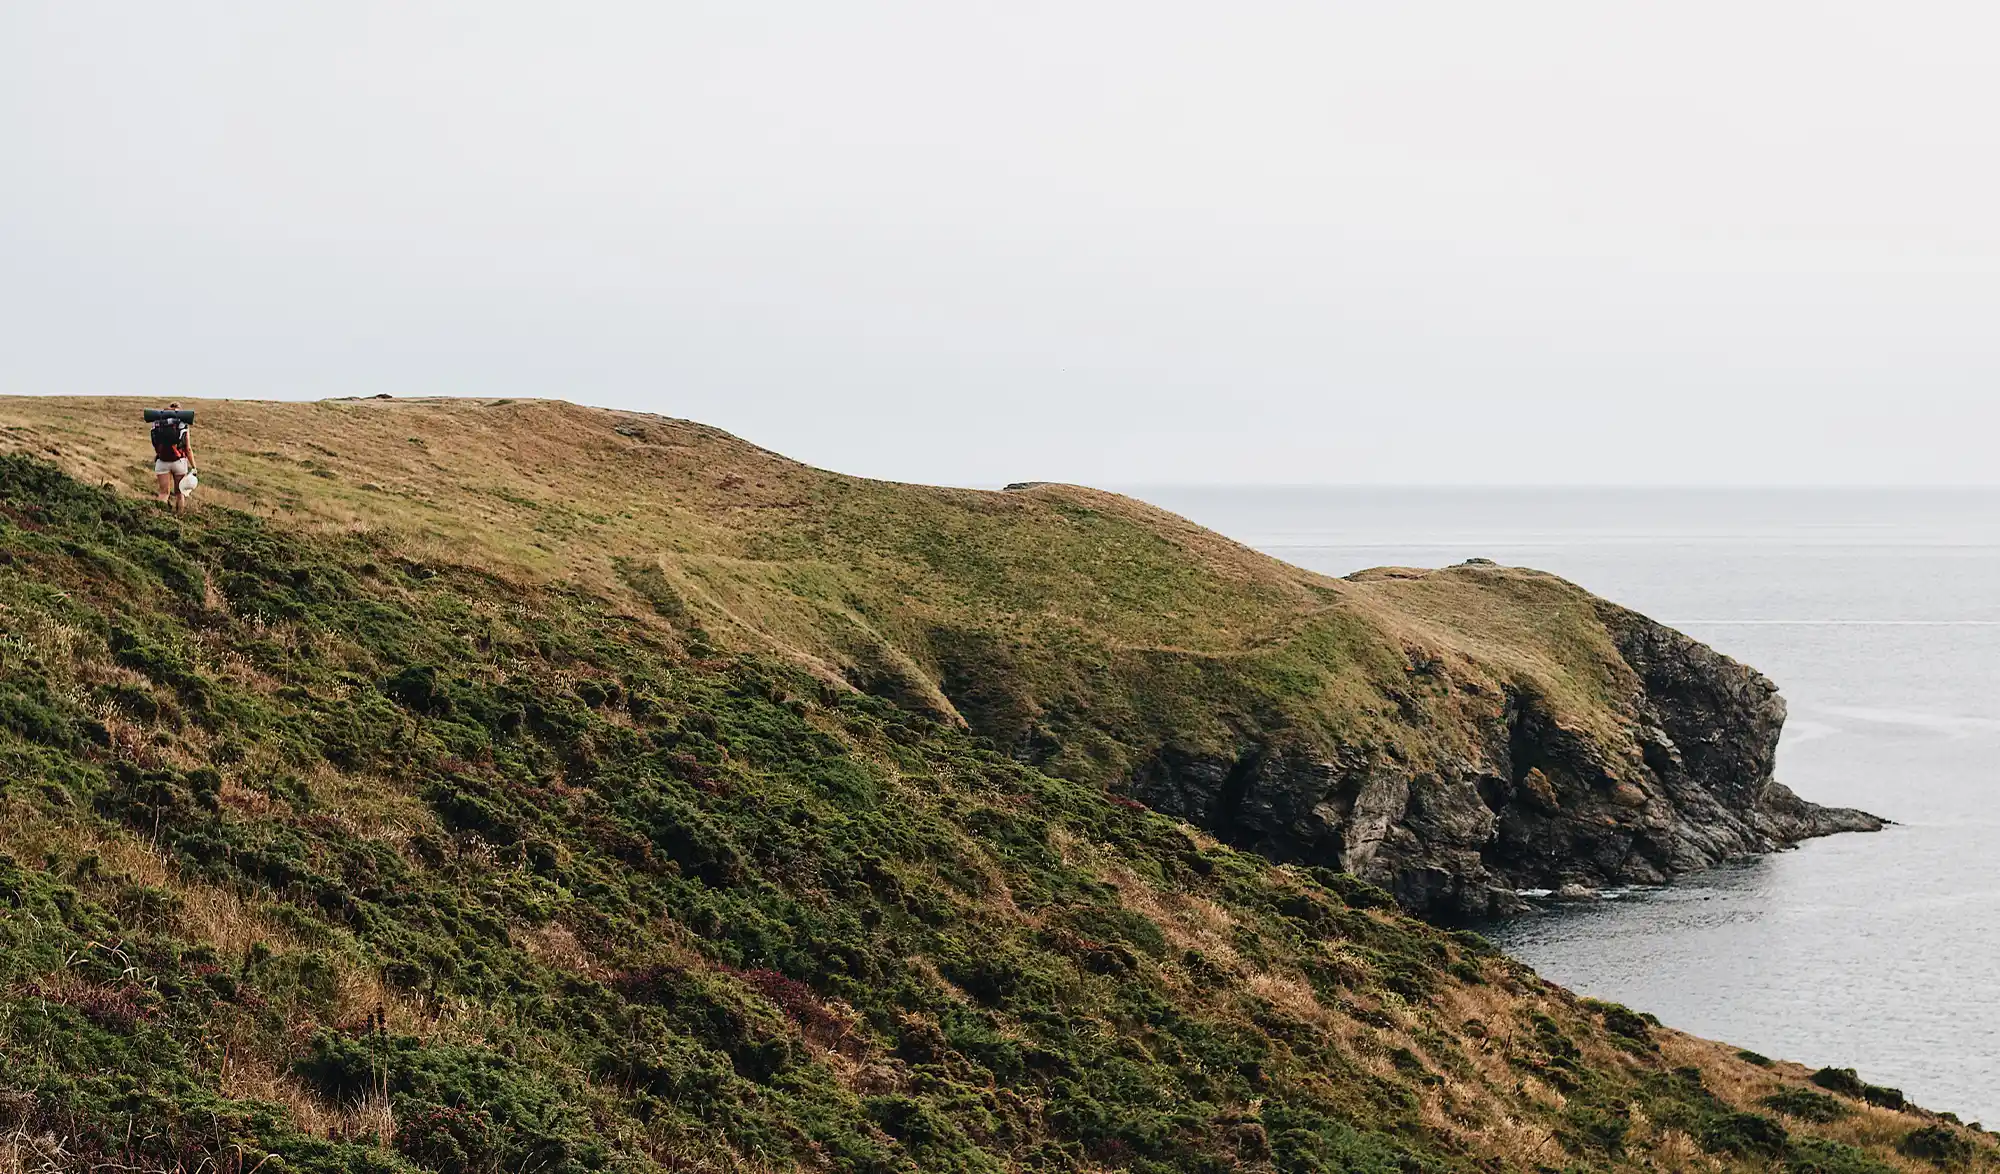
x=120 y=1006
x=817 y=1022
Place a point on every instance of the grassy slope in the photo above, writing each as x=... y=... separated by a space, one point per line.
x=1091 y=627
x=326 y=847
x=428 y=825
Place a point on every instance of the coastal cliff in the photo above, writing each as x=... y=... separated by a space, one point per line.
x=665 y=805
x=1532 y=803
x=1453 y=735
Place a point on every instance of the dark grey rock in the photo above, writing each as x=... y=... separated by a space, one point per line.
x=1534 y=805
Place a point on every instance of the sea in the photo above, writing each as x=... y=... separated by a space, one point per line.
x=1877 y=612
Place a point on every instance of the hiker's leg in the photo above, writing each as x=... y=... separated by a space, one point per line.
x=166 y=486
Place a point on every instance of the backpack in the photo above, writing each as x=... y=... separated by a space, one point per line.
x=169 y=439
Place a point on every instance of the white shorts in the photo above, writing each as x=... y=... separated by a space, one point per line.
x=177 y=468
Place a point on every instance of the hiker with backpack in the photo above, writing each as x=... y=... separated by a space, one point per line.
x=173 y=455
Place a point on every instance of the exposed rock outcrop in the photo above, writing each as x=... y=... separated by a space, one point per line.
x=1535 y=804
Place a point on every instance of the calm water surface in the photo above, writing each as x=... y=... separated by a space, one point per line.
x=1878 y=614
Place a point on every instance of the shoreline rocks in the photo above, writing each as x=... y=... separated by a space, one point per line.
x=1535 y=804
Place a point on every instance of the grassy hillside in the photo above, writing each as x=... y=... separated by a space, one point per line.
x=1452 y=735
x=1089 y=627
x=415 y=816
x=322 y=850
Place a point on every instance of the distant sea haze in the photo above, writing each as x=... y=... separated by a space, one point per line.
x=1877 y=612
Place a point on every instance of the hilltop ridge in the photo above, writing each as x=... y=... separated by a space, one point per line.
x=1453 y=735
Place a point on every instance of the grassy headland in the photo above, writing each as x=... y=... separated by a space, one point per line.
x=1386 y=724
x=533 y=823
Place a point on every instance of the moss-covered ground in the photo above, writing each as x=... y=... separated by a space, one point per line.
x=325 y=850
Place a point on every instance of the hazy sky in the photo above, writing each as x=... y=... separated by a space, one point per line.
x=1107 y=242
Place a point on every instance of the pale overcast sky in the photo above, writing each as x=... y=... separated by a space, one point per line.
x=1150 y=242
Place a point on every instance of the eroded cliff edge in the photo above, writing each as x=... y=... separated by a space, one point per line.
x=1535 y=803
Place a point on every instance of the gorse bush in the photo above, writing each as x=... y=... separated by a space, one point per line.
x=1807 y=1105
x=1938 y=1145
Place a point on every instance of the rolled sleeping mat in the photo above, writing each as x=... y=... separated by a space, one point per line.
x=155 y=415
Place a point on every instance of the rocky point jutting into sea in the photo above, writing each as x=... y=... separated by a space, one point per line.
x=1533 y=804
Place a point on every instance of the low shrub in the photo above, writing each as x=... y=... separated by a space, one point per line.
x=449 y=1139
x=1621 y=1020
x=1817 y=1155
x=1939 y=1145
x=1587 y=1127
x=1748 y=1134
x=1806 y=1105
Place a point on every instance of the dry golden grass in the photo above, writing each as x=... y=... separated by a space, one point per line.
x=203 y=913
x=247 y=1077
x=1673 y=1150
x=22 y=1152
x=1291 y=996
x=1187 y=920
x=554 y=945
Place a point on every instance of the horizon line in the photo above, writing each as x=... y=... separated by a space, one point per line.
x=1719 y=487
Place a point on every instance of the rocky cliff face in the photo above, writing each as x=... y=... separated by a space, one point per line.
x=1534 y=805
